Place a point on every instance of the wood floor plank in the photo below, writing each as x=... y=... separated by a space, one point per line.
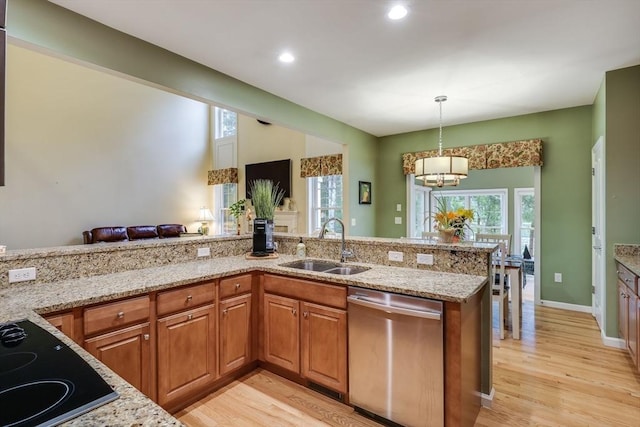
x=559 y=374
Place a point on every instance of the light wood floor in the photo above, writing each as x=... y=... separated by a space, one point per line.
x=559 y=374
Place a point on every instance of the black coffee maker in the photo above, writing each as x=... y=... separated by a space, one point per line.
x=262 y=237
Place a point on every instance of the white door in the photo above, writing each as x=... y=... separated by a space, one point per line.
x=597 y=238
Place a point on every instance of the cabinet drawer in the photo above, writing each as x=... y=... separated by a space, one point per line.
x=116 y=314
x=628 y=278
x=185 y=298
x=320 y=293
x=237 y=285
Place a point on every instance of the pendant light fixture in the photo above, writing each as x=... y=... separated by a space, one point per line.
x=442 y=170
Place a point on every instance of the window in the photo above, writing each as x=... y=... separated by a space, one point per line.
x=524 y=215
x=226 y=123
x=325 y=201
x=225 y=149
x=489 y=207
x=420 y=213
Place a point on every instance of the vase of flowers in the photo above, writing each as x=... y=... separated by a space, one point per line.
x=451 y=223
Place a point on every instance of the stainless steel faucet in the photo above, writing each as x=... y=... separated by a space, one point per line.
x=344 y=253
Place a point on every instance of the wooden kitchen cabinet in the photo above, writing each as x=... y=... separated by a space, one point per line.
x=186 y=348
x=127 y=352
x=235 y=333
x=281 y=332
x=119 y=335
x=305 y=329
x=629 y=312
x=324 y=346
x=68 y=322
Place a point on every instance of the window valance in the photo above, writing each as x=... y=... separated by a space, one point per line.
x=487 y=156
x=223 y=176
x=321 y=166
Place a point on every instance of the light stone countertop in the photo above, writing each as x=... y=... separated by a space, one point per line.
x=629 y=256
x=631 y=262
x=23 y=300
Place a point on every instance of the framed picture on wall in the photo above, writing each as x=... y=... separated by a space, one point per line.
x=364 y=193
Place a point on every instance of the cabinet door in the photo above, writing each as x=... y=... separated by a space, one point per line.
x=632 y=330
x=186 y=353
x=65 y=322
x=623 y=312
x=235 y=333
x=281 y=332
x=127 y=352
x=324 y=346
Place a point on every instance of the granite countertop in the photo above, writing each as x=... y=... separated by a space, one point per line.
x=629 y=256
x=24 y=300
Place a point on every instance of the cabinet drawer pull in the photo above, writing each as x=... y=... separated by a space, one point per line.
x=189 y=316
x=120 y=314
x=305 y=313
x=146 y=337
x=237 y=286
x=293 y=311
x=224 y=311
x=189 y=298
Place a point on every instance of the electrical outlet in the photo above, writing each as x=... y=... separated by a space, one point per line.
x=398 y=220
x=22 y=274
x=557 y=277
x=204 y=252
x=426 y=259
x=396 y=256
x=353 y=222
x=398 y=207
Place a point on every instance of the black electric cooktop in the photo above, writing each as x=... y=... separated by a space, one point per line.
x=42 y=381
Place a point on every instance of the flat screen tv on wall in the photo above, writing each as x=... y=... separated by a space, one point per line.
x=278 y=171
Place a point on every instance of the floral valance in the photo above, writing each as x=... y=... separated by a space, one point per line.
x=321 y=166
x=486 y=156
x=223 y=176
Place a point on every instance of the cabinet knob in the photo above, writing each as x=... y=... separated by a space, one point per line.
x=237 y=286
x=146 y=337
x=189 y=316
x=293 y=311
x=305 y=313
x=224 y=311
x=120 y=314
x=189 y=298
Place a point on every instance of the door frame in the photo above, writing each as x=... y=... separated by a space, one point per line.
x=598 y=212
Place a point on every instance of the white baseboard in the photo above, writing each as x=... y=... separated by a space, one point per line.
x=613 y=342
x=487 y=399
x=566 y=306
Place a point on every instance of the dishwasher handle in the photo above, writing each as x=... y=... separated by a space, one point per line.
x=433 y=315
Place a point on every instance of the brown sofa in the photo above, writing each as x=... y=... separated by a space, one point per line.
x=137 y=232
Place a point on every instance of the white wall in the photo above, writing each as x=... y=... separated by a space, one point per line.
x=87 y=149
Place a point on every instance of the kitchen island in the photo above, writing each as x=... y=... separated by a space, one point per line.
x=462 y=294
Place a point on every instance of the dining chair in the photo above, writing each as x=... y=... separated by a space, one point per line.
x=500 y=282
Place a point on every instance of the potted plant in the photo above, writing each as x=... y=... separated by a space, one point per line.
x=236 y=210
x=449 y=223
x=265 y=197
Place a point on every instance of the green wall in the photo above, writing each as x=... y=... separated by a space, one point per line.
x=565 y=200
x=51 y=28
x=622 y=175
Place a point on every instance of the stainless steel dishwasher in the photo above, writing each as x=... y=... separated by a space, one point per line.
x=396 y=357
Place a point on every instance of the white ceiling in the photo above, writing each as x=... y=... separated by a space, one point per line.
x=492 y=58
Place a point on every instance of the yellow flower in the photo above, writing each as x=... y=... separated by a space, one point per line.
x=447 y=219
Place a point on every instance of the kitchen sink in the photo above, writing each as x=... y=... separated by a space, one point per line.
x=347 y=271
x=325 y=267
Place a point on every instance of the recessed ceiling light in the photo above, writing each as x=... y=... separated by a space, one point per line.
x=286 y=57
x=397 y=12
